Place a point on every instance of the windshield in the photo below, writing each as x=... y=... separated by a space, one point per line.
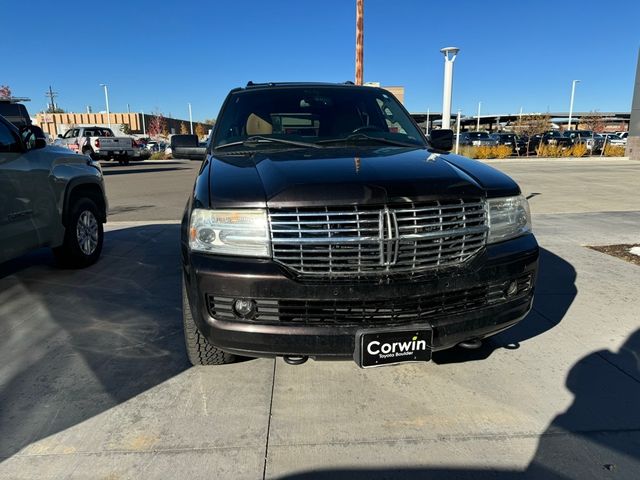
x=479 y=135
x=315 y=115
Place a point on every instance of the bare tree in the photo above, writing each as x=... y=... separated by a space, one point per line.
x=594 y=122
x=532 y=125
x=184 y=130
x=201 y=131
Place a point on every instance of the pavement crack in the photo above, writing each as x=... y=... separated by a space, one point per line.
x=266 y=447
x=620 y=369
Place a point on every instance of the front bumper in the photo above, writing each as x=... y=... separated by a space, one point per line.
x=113 y=153
x=231 y=277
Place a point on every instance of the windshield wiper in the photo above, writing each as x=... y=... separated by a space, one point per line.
x=361 y=136
x=255 y=140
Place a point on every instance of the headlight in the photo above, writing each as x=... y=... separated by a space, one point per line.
x=509 y=217
x=230 y=232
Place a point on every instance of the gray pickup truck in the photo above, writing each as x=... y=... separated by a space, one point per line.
x=98 y=143
x=49 y=197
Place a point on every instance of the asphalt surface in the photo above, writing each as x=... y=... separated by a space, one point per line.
x=94 y=381
x=150 y=190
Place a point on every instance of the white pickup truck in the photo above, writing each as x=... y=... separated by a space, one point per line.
x=97 y=142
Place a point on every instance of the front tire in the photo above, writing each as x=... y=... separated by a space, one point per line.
x=199 y=350
x=83 y=237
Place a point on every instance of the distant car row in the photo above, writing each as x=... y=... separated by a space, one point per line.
x=101 y=143
x=520 y=144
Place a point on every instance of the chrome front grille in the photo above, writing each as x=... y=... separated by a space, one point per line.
x=363 y=241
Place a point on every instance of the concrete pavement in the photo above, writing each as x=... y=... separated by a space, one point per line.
x=94 y=381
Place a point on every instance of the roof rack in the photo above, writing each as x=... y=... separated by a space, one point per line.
x=14 y=99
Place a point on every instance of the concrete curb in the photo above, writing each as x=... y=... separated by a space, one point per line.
x=556 y=160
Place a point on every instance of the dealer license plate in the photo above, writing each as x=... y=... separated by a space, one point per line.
x=375 y=348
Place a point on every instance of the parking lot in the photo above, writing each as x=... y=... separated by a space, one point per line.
x=95 y=383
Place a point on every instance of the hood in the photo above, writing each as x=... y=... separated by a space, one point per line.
x=338 y=177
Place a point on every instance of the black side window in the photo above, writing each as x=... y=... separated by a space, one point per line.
x=8 y=142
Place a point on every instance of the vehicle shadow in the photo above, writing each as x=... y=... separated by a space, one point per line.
x=597 y=437
x=126 y=171
x=140 y=163
x=555 y=292
x=77 y=342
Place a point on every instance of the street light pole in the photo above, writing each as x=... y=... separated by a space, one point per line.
x=106 y=99
x=458 y=133
x=144 y=126
x=427 y=129
x=190 y=119
x=478 y=123
x=450 y=54
x=573 y=92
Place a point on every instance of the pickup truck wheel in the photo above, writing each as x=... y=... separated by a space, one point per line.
x=83 y=236
x=199 y=350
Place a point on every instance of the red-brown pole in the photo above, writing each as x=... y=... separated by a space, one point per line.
x=359 y=41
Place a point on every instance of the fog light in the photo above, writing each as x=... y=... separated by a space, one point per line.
x=512 y=289
x=245 y=307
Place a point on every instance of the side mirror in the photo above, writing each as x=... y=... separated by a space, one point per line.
x=441 y=139
x=33 y=137
x=59 y=135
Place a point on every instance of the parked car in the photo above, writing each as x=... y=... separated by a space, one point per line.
x=154 y=146
x=139 y=150
x=98 y=143
x=551 y=137
x=618 y=139
x=49 y=197
x=518 y=146
x=477 y=139
x=323 y=224
x=187 y=147
x=589 y=138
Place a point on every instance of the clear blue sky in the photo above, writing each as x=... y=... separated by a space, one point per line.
x=155 y=56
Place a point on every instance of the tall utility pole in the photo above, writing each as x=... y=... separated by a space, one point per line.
x=190 y=119
x=450 y=54
x=573 y=92
x=359 y=42
x=478 y=125
x=52 y=95
x=144 y=126
x=106 y=99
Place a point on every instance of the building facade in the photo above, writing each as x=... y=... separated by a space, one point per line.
x=58 y=123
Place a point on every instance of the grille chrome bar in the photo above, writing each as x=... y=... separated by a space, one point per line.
x=364 y=241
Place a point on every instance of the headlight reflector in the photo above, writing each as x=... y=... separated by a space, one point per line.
x=230 y=232
x=509 y=217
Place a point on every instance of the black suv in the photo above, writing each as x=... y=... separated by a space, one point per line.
x=49 y=196
x=324 y=224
